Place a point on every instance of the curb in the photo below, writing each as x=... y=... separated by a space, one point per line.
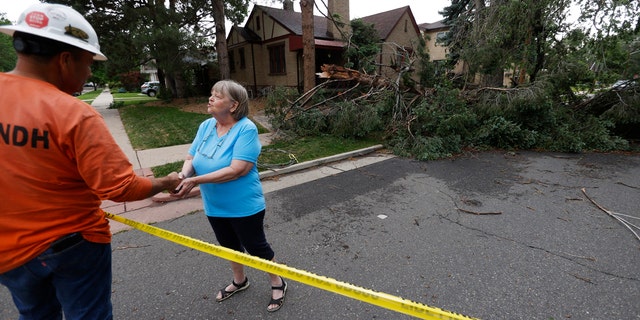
x=317 y=162
x=165 y=197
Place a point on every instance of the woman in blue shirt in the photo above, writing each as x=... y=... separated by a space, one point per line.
x=223 y=160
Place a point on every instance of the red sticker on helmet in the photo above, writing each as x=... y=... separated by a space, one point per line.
x=37 y=19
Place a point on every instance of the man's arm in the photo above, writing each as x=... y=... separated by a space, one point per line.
x=170 y=182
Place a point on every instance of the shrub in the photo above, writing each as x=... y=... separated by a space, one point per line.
x=504 y=134
x=352 y=120
x=277 y=106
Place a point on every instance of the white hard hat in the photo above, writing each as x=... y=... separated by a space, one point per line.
x=60 y=23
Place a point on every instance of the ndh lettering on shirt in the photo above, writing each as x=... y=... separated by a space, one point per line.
x=20 y=136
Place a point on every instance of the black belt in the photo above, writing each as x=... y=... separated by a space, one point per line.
x=66 y=242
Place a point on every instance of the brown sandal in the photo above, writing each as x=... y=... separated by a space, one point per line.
x=224 y=294
x=278 y=302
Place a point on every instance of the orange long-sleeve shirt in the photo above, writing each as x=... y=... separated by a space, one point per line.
x=58 y=162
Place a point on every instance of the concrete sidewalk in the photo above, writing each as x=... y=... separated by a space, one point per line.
x=163 y=207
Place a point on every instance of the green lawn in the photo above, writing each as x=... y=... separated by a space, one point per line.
x=156 y=127
x=160 y=126
x=282 y=153
x=89 y=96
x=130 y=98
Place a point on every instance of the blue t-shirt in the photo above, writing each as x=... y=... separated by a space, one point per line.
x=237 y=198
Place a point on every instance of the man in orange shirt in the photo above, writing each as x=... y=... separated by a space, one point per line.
x=59 y=162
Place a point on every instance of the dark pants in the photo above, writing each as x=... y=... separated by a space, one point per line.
x=74 y=278
x=240 y=234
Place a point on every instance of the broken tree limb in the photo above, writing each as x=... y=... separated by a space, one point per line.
x=614 y=215
x=469 y=211
x=332 y=71
x=476 y=212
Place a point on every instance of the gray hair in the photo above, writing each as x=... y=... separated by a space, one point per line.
x=235 y=92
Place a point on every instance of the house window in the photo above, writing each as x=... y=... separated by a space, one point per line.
x=406 y=25
x=440 y=38
x=232 y=61
x=257 y=23
x=276 y=59
x=243 y=63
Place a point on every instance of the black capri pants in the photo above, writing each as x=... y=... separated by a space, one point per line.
x=244 y=233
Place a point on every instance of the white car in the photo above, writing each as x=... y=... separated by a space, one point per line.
x=150 y=88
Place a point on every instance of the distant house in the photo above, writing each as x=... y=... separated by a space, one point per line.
x=399 y=34
x=267 y=50
x=150 y=70
x=435 y=34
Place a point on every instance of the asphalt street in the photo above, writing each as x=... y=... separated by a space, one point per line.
x=494 y=235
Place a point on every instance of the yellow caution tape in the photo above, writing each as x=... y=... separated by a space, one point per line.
x=380 y=299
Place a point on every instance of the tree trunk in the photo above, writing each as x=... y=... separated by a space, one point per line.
x=180 y=85
x=308 y=45
x=221 y=40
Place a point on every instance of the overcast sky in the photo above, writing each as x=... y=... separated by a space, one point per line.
x=423 y=10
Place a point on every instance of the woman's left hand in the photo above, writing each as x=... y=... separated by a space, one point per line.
x=184 y=187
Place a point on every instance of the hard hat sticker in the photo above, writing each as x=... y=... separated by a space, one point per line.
x=37 y=19
x=75 y=32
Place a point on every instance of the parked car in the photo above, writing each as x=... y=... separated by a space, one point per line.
x=150 y=88
x=624 y=84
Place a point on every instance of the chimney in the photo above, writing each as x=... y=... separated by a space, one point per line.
x=287 y=5
x=339 y=12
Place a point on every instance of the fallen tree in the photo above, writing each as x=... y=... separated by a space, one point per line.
x=443 y=120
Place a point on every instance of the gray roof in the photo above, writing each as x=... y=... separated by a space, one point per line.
x=433 y=26
x=384 y=22
x=247 y=34
x=292 y=21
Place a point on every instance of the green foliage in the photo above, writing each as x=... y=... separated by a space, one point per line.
x=501 y=133
x=354 y=120
x=165 y=169
x=173 y=35
x=626 y=110
x=8 y=55
x=131 y=80
x=432 y=148
x=364 y=47
x=439 y=126
x=430 y=73
x=289 y=151
x=308 y=123
x=447 y=121
x=155 y=127
x=492 y=36
x=321 y=115
x=278 y=108
x=597 y=135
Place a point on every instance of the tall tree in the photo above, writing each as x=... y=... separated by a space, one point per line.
x=8 y=56
x=614 y=26
x=221 y=41
x=363 y=47
x=171 y=33
x=308 y=45
x=493 y=36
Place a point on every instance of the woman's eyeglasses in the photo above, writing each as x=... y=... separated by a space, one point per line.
x=211 y=150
